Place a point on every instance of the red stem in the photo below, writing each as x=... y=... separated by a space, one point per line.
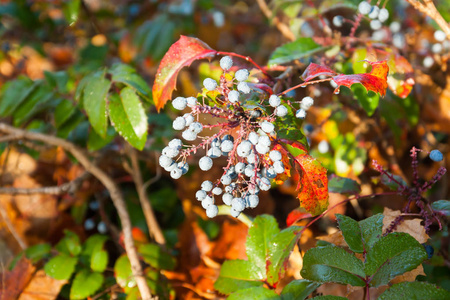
x=247 y=58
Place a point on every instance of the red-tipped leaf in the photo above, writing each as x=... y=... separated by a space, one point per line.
x=315 y=70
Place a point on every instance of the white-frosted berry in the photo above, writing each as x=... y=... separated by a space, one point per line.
x=170 y=167
x=436 y=48
x=275 y=155
x=281 y=111
x=262 y=149
x=253 y=189
x=200 y=195
x=395 y=27
x=227 y=146
x=398 y=40
x=242 y=74
x=383 y=15
x=217 y=191
x=253 y=201
x=176 y=173
x=214 y=152
x=165 y=161
x=205 y=163
x=196 y=127
x=440 y=36
x=184 y=166
x=189 y=135
x=238 y=204
x=234 y=213
x=227 y=137
x=170 y=152
x=215 y=142
x=300 y=114
x=233 y=96
x=207 y=185
x=243 y=87
x=264 y=140
x=270 y=173
x=225 y=179
x=252 y=157
x=428 y=61
x=267 y=126
x=207 y=202
x=364 y=7
x=179 y=123
x=240 y=167
x=179 y=103
x=307 y=102
x=191 y=101
x=338 y=21
x=374 y=11
x=227 y=198
x=176 y=144
x=264 y=184
x=243 y=149
x=210 y=84
x=226 y=63
x=375 y=24
x=253 y=137
x=230 y=188
x=249 y=170
x=274 y=100
x=436 y=155
x=212 y=211
x=278 y=167
x=189 y=119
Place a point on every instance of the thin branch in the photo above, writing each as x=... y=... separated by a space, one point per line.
x=11 y=228
x=283 y=28
x=110 y=185
x=152 y=223
x=428 y=8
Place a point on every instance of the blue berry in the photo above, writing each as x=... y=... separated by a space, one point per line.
x=210 y=84
x=267 y=126
x=281 y=111
x=189 y=119
x=217 y=190
x=374 y=11
x=338 y=21
x=225 y=179
x=207 y=202
x=184 y=166
x=241 y=75
x=275 y=155
x=170 y=167
x=233 y=96
x=227 y=146
x=270 y=173
x=274 y=100
x=212 y=211
x=191 y=101
x=234 y=213
x=307 y=102
x=176 y=144
x=165 y=161
x=179 y=103
x=253 y=201
x=264 y=184
x=176 y=173
x=214 y=152
x=227 y=198
x=383 y=15
x=189 y=135
x=200 y=195
x=207 y=185
x=238 y=204
x=240 y=167
x=264 y=140
x=179 y=123
x=243 y=149
x=300 y=114
x=170 y=152
x=196 y=127
x=364 y=7
x=226 y=63
x=278 y=167
x=436 y=155
x=243 y=87
x=261 y=149
x=253 y=137
x=205 y=163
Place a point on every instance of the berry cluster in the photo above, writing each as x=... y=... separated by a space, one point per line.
x=244 y=133
x=378 y=15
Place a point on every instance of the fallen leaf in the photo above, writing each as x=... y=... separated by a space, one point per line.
x=13 y=282
x=42 y=287
x=413 y=227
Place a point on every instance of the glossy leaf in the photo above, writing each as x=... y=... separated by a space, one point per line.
x=254 y=293
x=96 y=142
x=127 y=75
x=69 y=244
x=343 y=185
x=237 y=275
x=71 y=9
x=99 y=260
x=121 y=120
x=329 y=297
x=442 y=207
x=332 y=264
x=63 y=111
x=298 y=289
x=394 y=254
x=302 y=47
x=57 y=80
x=122 y=272
x=181 y=54
x=156 y=257
x=396 y=184
x=414 y=290
x=34 y=103
x=314 y=70
x=369 y=101
x=94 y=101
x=37 y=252
x=263 y=229
x=13 y=93
x=85 y=284
x=61 y=266
x=371 y=229
x=297 y=215
x=351 y=232
x=280 y=248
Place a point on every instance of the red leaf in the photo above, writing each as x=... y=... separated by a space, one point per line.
x=401 y=79
x=375 y=80
x=314 y=70
x=13 y=282
x=181 y=54
x=296 y=215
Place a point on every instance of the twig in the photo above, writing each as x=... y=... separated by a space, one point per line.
x=153 y=226
x=107 y=181
x=428 y=8
x=11 y=228
x=283 y=28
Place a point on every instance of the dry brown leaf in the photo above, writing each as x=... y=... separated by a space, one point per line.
x=42 y=287
x=12 y=283
x=335 y=238
x=413 y=227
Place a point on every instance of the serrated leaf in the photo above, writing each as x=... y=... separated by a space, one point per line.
x=314 y=70
x=237 y=275
x=69 y=244
x=127 y=75
x=368 y=100
x=254 y=293
x=85 y=284
x=156 y=257
x=63 y=111
x=302 y=47
x=442 y=207
x=414 y=290
x=61 y=266
x=298 y=289
x=122 y=272
x=94 y=101
x=263 y=229
x=33 y=104
x=332 y=264
x=394 y=254
x=37 y=252
x=351 y=232
x=14 y=93
x=279 y=250
x=181 y=54
x=342 y=185
x=122 y=122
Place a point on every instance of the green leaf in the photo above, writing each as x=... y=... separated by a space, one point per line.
x=94 y=101
x=96 y=142
x=61 y=266
x=371 y=230
x=122 y=272
x=33 y=104
x=442 y=207
x=280 y=248
x=415 y=290
x=85 y=284
x=238 y=275
x=93 y=243
x=63 y=111
x=329 y=297
x=368 y=99
x=351 y=232
x=342 y=185
x=332 y=264
x=393 y=184
x=68 y=126
x=298 y=49
x=71 y=10
x=128 y=118
x=394 y=254
x=298 y=289
x=156 y=257
x=38 y=252
x=69 y=244
x=57 y=80
x=127 y=75
x=263 y=229
x=99 y=260
x=254 y=293
x=14 y=93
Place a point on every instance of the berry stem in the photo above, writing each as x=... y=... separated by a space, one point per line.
x=249 y=59
x=304 y=84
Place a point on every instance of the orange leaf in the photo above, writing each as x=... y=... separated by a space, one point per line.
x=13 y=282
x=181 y=54
x=401 y=79
x=315 y=70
